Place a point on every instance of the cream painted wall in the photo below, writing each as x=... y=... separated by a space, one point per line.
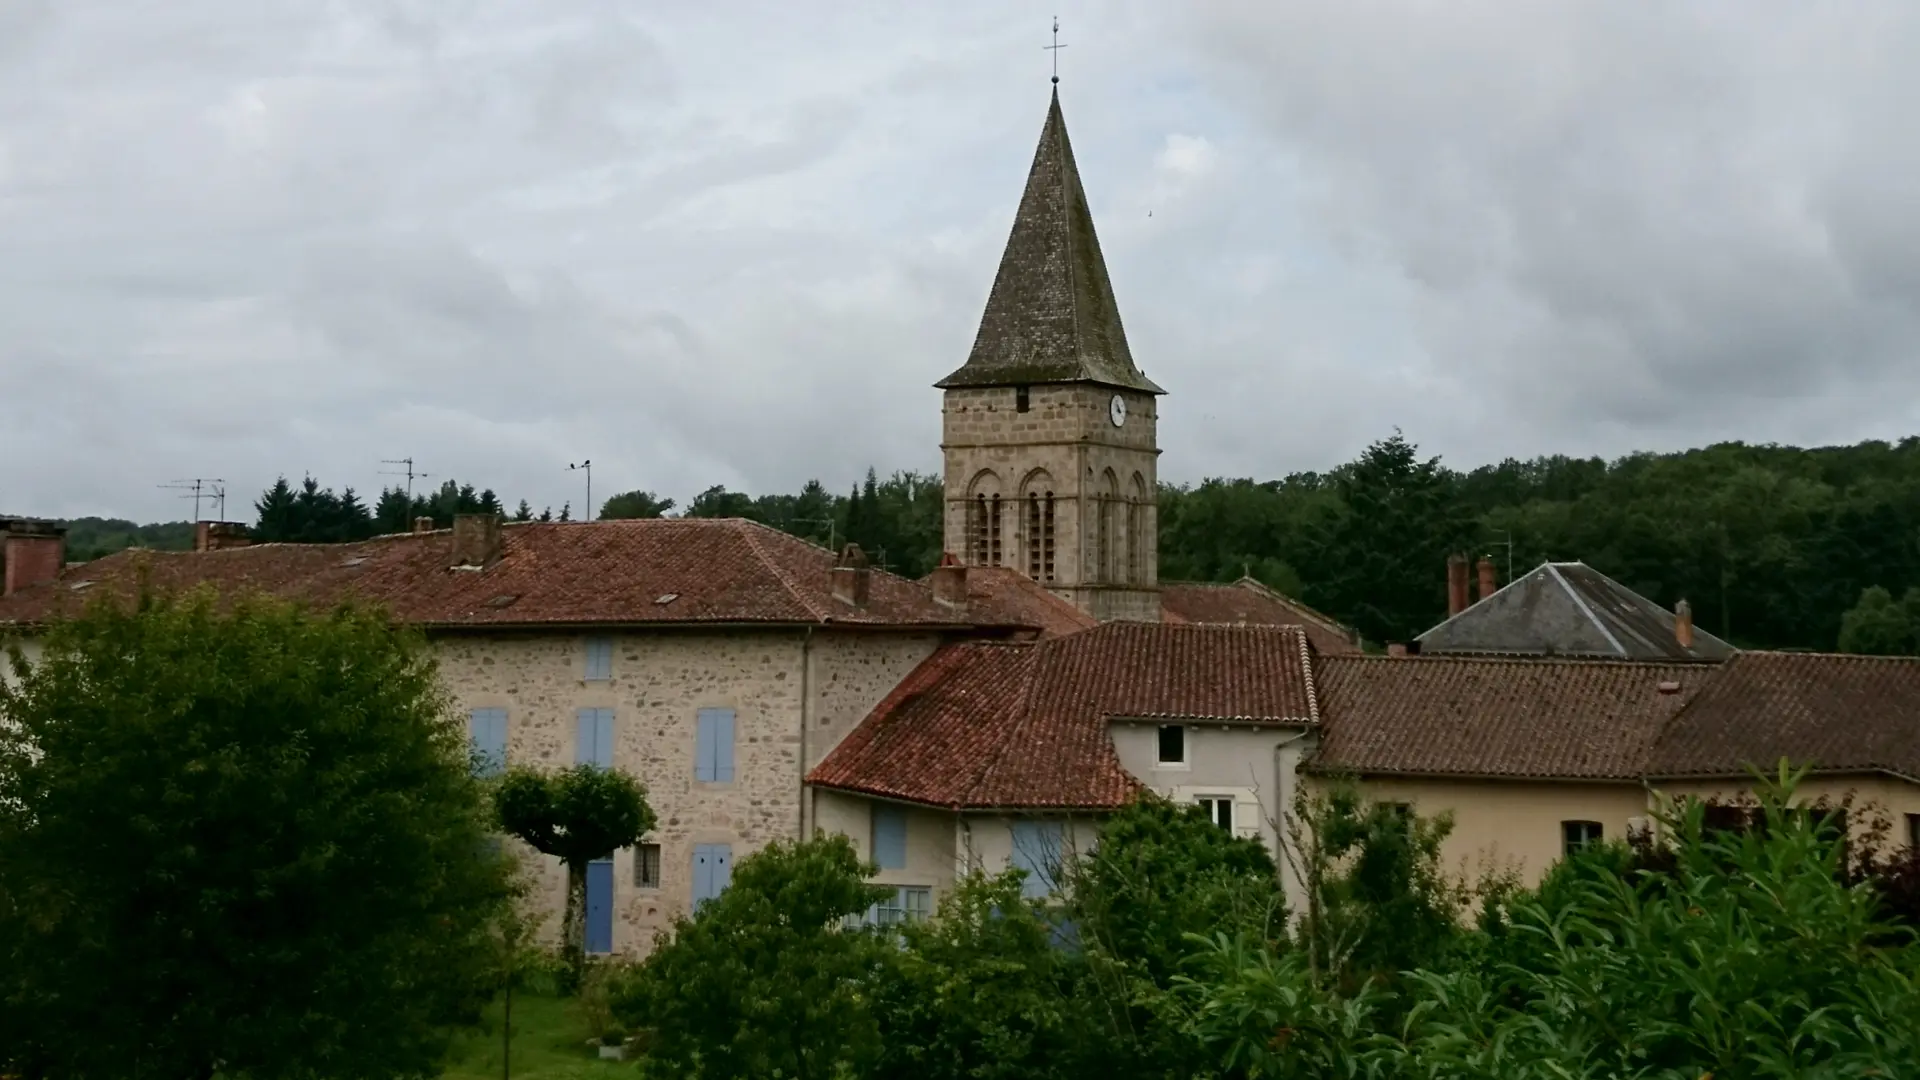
x=985 y=841
x=932 y=855
x=1896 y=799
x=1258 y=765
x=1510 y=825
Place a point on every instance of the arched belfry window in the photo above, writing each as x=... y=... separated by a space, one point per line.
x=983 y=520
x=1033 y=535
x=977 y=530
x=1046 y=537
x=1106 y=529
x=1137 y=553
x=993 y=531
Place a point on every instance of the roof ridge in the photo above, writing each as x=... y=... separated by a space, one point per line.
x=786 y=582
x=1586 y=609
x=1511 y=660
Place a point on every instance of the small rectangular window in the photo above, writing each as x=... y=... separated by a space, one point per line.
x=1173 y=744
x=889 y=837
x=599 y=659
x=713 y=746
x=1575 y=835
x=1219 y=810
x=646 y=866
x=1913 y=831
x=1021 y=400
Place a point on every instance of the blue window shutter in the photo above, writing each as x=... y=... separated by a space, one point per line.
x=488 y=730
x=889 y=837
x=723 y=746
x=702 y=873
x=583 y=740
x=703 y=746
x=1037 y=849
x=603 y=738
x=722 y=867
x=599 y=659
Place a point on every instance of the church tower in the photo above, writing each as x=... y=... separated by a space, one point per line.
x=1048 y=428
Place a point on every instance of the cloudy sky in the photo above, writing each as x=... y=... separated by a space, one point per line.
x=241 y=238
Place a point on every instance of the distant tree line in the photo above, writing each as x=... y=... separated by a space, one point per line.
x=1774 y=546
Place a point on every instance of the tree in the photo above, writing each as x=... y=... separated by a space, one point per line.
x=576 y=815
x=635 y=504
x=1878 y=626
x=524 y=512
x=718 y=502
x=763 y=980
x=236 y=838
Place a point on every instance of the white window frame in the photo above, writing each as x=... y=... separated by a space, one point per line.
x=1212 y=803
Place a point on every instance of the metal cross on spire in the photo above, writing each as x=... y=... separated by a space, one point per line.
x=1055 y=50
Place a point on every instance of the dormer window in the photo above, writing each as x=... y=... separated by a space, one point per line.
x=1173 y=744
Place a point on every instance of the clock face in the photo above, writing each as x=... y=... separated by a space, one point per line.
x=1117 y=410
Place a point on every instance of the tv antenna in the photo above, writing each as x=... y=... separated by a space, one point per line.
x=408 y=473
x=1055 y=50
x=587 y=467
x=212 y=489
x=1507 y=543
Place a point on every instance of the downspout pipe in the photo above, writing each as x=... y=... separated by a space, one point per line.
x=806 y=723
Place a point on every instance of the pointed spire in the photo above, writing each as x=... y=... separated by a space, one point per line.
x=1051 y=316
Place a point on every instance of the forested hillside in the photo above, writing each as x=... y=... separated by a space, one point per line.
x=1772 y=545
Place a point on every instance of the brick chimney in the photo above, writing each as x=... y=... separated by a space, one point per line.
x=476 y=539
x=1489 y=584
x=949 y=581
x=1456 y=585
x=422 y=525
x=34 y=552
x=1397 y=650
x=1683 y=624
x=219 y=535
x=851 y=578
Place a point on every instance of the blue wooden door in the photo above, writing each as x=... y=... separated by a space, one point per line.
x=600 y=906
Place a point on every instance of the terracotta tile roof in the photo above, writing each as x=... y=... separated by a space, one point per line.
x=1569 y=609
x=981 y=726
x=1487 y=717
x=1011 y=594
x=1248 y=601
x=1051 y=316
x=662 y=571
x=1835 y=713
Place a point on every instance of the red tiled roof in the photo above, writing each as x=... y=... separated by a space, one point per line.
x=663 y=571
x=1250 y=602
x=1483 y=717
x=1835 y=713
x=979 y=726
x=1014 y=595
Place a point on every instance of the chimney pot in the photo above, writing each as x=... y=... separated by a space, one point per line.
x=34 y=553
x=1489 y=584
x=423 y=525
x=1683 y=624
x=1456 y=585
x=950 y=582
x=852 y=580
x=476 y=539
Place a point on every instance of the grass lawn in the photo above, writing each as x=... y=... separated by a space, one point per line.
x=549 y=1043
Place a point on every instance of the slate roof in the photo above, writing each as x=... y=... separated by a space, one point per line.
x=1051 y=316
x=1569 y=609
x=981 y=726
x=661 y=571
x=1247 y=601
x=1497 y=717
x=1835 y=713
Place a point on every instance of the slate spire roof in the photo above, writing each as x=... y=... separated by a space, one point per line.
x=1569 y=609
x=1051 y=316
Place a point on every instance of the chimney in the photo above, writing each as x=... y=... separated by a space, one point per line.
x=35 y=553
x=851 y=578
x=1488 y=583
x=1683 y=624
x=1397 y=651
x=1456 y=585
x=476 y=539
x=422 y=525
x=950 y=582
x=219 y=535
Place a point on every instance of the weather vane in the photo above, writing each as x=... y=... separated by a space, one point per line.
x=1055 y=50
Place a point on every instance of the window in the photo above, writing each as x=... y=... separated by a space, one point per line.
x=1575 y=835
x=1046 y=538
x=1021 y=399
x=599 y=659
x=993 y=531
x=1913 y=831
x=713 y=747
x=1036 y=849
x=487 y=729
x=1103 y=540
x=1219 y=810
x=889 y=836
x=594 y=744
x=646 y=866
x=712 y=871
x=1033 y=535
x=907 y=904
x=1173 y=744
x=977 y=530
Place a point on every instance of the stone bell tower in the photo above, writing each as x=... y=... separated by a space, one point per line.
x=1048 y=428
